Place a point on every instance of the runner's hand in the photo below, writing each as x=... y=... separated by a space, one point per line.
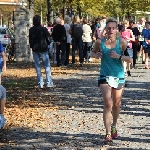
x=113 y=54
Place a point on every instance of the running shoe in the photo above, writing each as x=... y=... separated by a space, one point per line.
x=108 y=139
x=114 y=133
x=146 y=67
x=50 y=85
x=128 y=72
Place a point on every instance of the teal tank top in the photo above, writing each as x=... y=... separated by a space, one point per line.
x=111 y=66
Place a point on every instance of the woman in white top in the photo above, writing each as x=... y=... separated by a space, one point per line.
x=67 y=27
x=87 y=40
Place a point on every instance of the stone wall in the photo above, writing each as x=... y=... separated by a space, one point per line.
x=21 y=33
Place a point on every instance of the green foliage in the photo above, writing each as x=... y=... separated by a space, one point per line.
x=93 y=8
x=7 y=12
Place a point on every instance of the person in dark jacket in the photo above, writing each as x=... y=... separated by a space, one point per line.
x=135 y=45
x=39 y=38
x=59 y=36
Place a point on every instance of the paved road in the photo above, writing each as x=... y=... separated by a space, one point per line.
x=78 y=124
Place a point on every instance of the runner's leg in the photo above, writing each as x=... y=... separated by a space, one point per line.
x=106 y=92
x=116 y=96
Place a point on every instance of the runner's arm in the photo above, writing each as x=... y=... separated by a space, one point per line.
x=96 y=53
x=132 y=38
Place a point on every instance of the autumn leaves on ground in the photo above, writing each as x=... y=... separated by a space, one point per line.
x=25 y=100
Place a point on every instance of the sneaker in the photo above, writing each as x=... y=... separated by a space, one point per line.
x=90 y=60
x=81 y=64
x=114 y=133
x=146 y=67
x=108 y=139
x=72 y=65
x=128 y=72
x=40 y=86
x=143 y=62
x=51 y=85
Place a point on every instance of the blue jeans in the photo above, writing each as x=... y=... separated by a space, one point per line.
x=46 y=63
x=77 y=43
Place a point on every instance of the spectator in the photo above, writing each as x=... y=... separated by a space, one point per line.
x=2 y=60
x=76 y=32
x=39 y=38
x=59 y=36
x=2 y=105
x=97 y=23
x=93 y=27
x=104 y=21
x=87 y=40
x=98 y=33
x=120 y=26
x=67 y=28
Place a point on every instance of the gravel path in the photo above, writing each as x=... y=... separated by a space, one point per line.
x=78 y=124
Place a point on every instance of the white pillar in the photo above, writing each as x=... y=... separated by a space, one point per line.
x=135 y=18
x=1 y=19
x=117 y=18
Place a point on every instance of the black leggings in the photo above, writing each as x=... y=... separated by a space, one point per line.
x=135 y=50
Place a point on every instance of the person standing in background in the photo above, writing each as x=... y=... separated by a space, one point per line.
x=59 y=36
x=39 y=39
x=76 y=32
x=2 y=106
x=87 y=40
x=67 y=28
x=2 y=60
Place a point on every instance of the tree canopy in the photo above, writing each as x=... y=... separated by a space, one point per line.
x=93 y=8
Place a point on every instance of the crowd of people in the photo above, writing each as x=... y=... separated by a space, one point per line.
x=118 y=45
x=78 y=33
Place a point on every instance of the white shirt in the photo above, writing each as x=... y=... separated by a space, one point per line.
x=86 y=37
x=67 y=27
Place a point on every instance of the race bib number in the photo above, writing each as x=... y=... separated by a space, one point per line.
x=141 y=39
x=112 y=81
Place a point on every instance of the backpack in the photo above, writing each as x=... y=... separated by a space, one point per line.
x=77 y=31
